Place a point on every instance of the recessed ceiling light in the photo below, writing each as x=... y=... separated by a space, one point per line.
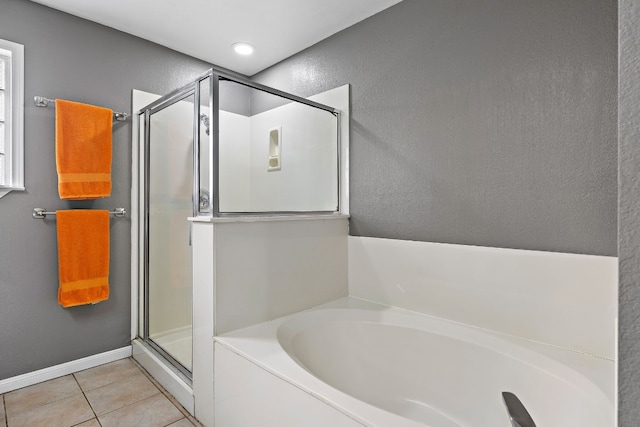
x=243 y=48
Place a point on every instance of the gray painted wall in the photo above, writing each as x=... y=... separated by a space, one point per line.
x=474 y=122
x=67 y=57
x=477 y=122
x=234 y=98
x=629 y=210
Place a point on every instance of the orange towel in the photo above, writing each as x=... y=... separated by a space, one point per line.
x=83 y=256
x=83 y=150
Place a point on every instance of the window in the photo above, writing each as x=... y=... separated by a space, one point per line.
x=11 y=117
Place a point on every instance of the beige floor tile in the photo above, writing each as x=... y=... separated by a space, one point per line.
x=121 y=393
x=182 y=423
x=91 y=423
x=155 y=411
x=31 y=397
x=190 y=420
x=2 y=415
x=106 y=374
x=62 y=413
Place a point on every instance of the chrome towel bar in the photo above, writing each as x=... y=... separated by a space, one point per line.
x=39 y=213
x=41 y=101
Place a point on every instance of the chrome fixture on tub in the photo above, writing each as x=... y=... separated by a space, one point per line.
x=517 y=412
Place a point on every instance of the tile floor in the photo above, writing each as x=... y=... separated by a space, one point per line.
x=118 y=394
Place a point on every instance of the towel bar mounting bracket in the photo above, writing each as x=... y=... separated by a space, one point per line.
x=40 y=213
x=41 y=101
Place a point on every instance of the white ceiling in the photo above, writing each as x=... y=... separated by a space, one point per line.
x=206 y=29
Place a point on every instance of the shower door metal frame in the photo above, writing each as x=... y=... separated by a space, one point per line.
x=159 y=105
x=218 y=75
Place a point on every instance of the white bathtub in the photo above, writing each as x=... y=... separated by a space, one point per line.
x=380 y=366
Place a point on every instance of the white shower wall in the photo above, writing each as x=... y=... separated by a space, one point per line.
x=308 y=178
x=235 y=164
x=562 y=299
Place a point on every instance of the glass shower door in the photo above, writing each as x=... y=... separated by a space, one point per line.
x=169 y=189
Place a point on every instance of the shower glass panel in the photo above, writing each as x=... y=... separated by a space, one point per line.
x=274 y=154
x=170 y=160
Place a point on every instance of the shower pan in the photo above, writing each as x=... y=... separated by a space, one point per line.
x=208 y=150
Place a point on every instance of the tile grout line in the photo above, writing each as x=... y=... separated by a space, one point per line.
x=112 y=382
x=129 y=404
x=137 y=402
x=168 y=395
x=86 y=400
x=158 y=387
x=4 y=407
x=52 y=402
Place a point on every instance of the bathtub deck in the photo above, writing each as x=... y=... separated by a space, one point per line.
x=258 y=344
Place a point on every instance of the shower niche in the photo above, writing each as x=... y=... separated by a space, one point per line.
x=207 y=154
x=275 y=144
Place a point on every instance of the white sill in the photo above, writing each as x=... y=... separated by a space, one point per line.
x=267 y=218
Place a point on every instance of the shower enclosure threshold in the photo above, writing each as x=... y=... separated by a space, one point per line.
x=169 y=377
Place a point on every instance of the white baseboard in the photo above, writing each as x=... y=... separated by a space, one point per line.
x=57 y=371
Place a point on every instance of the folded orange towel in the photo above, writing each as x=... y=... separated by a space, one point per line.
x=83 y=150
x=83 y=256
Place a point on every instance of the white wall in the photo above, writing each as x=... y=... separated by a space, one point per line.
x=235 y=162
x=249 y=271
x=308 y=178
x=270 y=268
x=566 y=300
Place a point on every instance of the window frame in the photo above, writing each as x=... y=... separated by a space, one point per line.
x=13 y=179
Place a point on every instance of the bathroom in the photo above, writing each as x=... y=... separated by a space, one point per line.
x=489 y=125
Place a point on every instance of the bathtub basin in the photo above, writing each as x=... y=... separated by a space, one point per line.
x=386 y=367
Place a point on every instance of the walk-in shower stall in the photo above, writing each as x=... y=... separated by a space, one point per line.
x=221 y=147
